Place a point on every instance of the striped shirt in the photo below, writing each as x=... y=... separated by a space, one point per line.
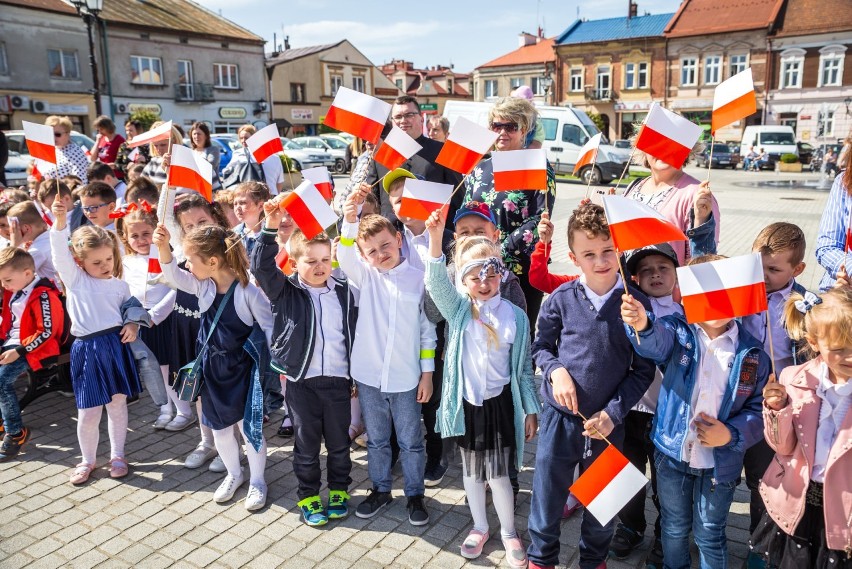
x=833 y=227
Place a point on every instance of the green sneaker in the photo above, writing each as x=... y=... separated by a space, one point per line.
x=338 y=501
x=312 y=511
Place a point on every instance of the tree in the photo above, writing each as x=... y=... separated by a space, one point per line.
x=147 y=118
x=598 y=120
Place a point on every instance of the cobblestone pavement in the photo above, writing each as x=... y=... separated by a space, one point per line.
x=162 y=514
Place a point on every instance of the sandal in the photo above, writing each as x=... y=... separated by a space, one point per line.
x=81 y=473
x=118 y=467
x=471 y=547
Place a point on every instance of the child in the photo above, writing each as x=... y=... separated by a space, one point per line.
x=314 y=325
x=708 y=414
x=806 y=421
x=225 y=198
x=33 y=328
x=100 y=172
x=48 y=191
x=98 y=201
x=490 y=407
x=540 y=276
x=142 y=189
x=28 y=229
x=218 y=273
x=395 y=343
x=135 y=172
x=587 y=392
x=102 y=366
x=5 y=230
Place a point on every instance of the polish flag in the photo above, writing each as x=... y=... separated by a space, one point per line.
x=162 y=132
x=154 y=261
x=40 y=141
x=358 y=114
x=264 y=143
x=467 y=144
x=734 y=99
x=133 y=155
x=43 y=213
x=320 y=177
x=420 y=198
x=396 y=149
x=634 y=225
x=608 y=484
x=727 y=288
x=282 y=259
x=520 y=170
x=36 y=173
x=589 y=153
x=187 y=170
x=667 y=136
x=309 y=210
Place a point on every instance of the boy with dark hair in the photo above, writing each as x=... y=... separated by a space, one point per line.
x=98 y=200
x=100 y=172
x=142 y=189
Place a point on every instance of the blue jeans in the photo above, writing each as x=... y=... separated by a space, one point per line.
x=379 y=409
x=9 y=406
x=690 y=499
x=561 y=447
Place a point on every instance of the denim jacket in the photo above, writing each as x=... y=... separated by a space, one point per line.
x=147 y=365
x=672 y=344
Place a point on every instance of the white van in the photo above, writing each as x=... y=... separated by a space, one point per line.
x=566 y=130
x=774 y=139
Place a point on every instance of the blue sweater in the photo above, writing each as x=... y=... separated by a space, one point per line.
x=591 y=345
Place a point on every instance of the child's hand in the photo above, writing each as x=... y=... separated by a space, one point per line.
x=435 y=228
x=161 y=239
x=8 y=357
x=633 y=313
x=128 y=333
x=774 y=395
x=842 y=278
x=16 y=236
x=712 y=432
x=167 y=159
x=598 y=426
x=59 y=213
x=350 y=206
x=334 y=243
x=564 y=390
x=530 y=427
x=273 y=214
x=545 y=229
x=702 y=203
x=424 y=388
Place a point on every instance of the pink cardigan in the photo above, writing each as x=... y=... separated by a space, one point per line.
x=676 y=208
x=792 y=433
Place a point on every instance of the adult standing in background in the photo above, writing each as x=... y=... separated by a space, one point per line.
x=202 y=146
x=834 y=230
x=4 y=157
x=354 y=150
x=438 y=128
x=71 y=160
x=107 y=143
x=127 y=156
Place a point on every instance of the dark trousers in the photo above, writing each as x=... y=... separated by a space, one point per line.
x=561 y=447
x=639 y=450
x=756 y=460
x=319 y=408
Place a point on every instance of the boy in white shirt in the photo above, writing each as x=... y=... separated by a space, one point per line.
x=28 y=231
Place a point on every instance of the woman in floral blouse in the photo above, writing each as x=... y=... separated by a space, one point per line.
x=517 y=212
x=71 y=160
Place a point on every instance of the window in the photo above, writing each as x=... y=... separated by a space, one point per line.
x=573 y=134
x=602 y=83
x=550 y=126
x=358 y=83
x=186 y=90
x=449 y=84
x=336 y=83
x=62 y=64
x=516 y=82
x=146 y=70
x=576 y=79
x=4 y=62
x=712 y=69
x=688 y=71
x=826 y=128
x=792 y=61
x=297 y=92
x=738 y=63
x=226 y=76
x=490 y=88
x=831 y=65
x=537 y=86
x=399 y=84
x=636 y=75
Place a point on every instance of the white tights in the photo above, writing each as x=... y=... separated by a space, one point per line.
x=206 y=432
x=229 y=451
x=88 y=428
x=501 y=496
x=184 y=408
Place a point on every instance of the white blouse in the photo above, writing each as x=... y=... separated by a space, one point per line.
x=486 y=367
x=157 y=298
x=836 y=400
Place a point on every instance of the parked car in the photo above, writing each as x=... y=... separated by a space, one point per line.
x=18 y=143
x=806 y=152
x=226 y=150
x=624 y=144
x=336 y=148
x=16 y=170
x=306 y=157
x=722 y=157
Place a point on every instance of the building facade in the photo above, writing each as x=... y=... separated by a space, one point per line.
x=533 y=64
x=433 y=86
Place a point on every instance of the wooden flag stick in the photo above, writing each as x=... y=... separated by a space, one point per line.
x=710 y=160
x=771 y=347
x=449 y=199
x=589 y=183
x=626 y=167
x=626 y=291
x=594 y=429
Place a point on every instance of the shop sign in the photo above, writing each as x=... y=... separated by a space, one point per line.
x=429 y=107
x=302 y=114
x=232 y=112
x=145 y=107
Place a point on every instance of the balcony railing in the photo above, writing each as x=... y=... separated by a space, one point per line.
x=194 y=93
x=599 y=94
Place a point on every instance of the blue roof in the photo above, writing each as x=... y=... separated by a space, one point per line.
x=614 y=29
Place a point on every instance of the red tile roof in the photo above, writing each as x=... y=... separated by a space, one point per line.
x=529 y=54
x=700 y=17
x=800 y=17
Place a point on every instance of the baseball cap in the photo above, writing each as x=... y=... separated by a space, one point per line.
x=395 y=175
x=636 y=255
x=475 y=208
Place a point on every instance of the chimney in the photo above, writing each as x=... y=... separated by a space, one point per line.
x=632 y=9
x=286 y=42
x=525 y=39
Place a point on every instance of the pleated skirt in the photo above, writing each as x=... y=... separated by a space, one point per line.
x=101 y=366
x=488 y=443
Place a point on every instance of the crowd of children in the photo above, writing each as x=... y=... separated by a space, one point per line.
x=231 y=313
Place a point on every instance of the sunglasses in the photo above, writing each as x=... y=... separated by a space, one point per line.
x=507 y=126
x=58 y=134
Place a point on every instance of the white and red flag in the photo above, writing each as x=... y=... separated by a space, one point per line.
x=420 y=198
x=40 y=141
x=727 y=288
x=589 y=153
x=264 y=143
x=188 y=170
x=358 y=114
x=520 y=170
x=467 y=144
x=162 y=132
x=396 y=148
x=633 y=224
x=43 y=212
x=734 y=99
x=309 y=210
x=608 y=484
x=321 y=178
x=154 y=261
x=667 y=136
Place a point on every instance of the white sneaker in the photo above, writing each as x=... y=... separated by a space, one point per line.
x=256 y=497
x=162 y=421
x=228 y=487
x=200 y=456
x=180 y=423
x=218 y=465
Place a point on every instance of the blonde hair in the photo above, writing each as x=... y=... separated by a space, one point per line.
x=56 y=120
x=298 y=245
x=90 y=237
x=213 y=241
x=830 y=319
x=472 y=249
x=176 y=138
x=249 y=128
x=519 y=111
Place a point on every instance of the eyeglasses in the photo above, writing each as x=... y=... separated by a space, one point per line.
x=58 y=134
x=403 y=116
x=92 y=208
x=507 y=126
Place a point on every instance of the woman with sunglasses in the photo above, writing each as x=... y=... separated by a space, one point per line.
x=71 y=159
x=517 y=212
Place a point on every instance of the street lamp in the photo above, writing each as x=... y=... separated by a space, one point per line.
x=546 y=83
x=89 y=10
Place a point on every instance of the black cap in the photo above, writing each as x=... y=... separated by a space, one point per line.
x=633 y=257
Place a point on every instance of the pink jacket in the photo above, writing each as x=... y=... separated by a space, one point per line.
x=792 y=433
x=677 y=207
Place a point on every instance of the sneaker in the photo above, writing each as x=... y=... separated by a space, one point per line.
x=218 y=465
x=228 y=487
x=200 y=456
x=655 y=556
x=338 y=507
x=286 y=428
x=417 y=514
x=12 y=444
x=312 y=511
x=516 y=554
x=162 y=421
x=471 y=547
x=256 y=497
x=533 y=565
x=374 y=502
x=434 y=474
x=624 y=542
x=180 y=423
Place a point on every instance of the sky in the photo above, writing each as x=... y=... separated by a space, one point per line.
x=464 y=33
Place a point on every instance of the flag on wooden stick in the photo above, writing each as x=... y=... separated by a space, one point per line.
x=162 y=132
x=734 y=99
x=420 y=198
x=633 y=224
x=608 y=484
x=589 y=153
x=188 y=170
x=40 y=141
x=358 y=114
x=727 y=288
x=396 y=148
x=309 y=210
x=667 y=136
x=264 y=143
x=467 y=144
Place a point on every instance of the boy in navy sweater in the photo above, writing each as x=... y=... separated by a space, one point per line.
x=588 y=370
